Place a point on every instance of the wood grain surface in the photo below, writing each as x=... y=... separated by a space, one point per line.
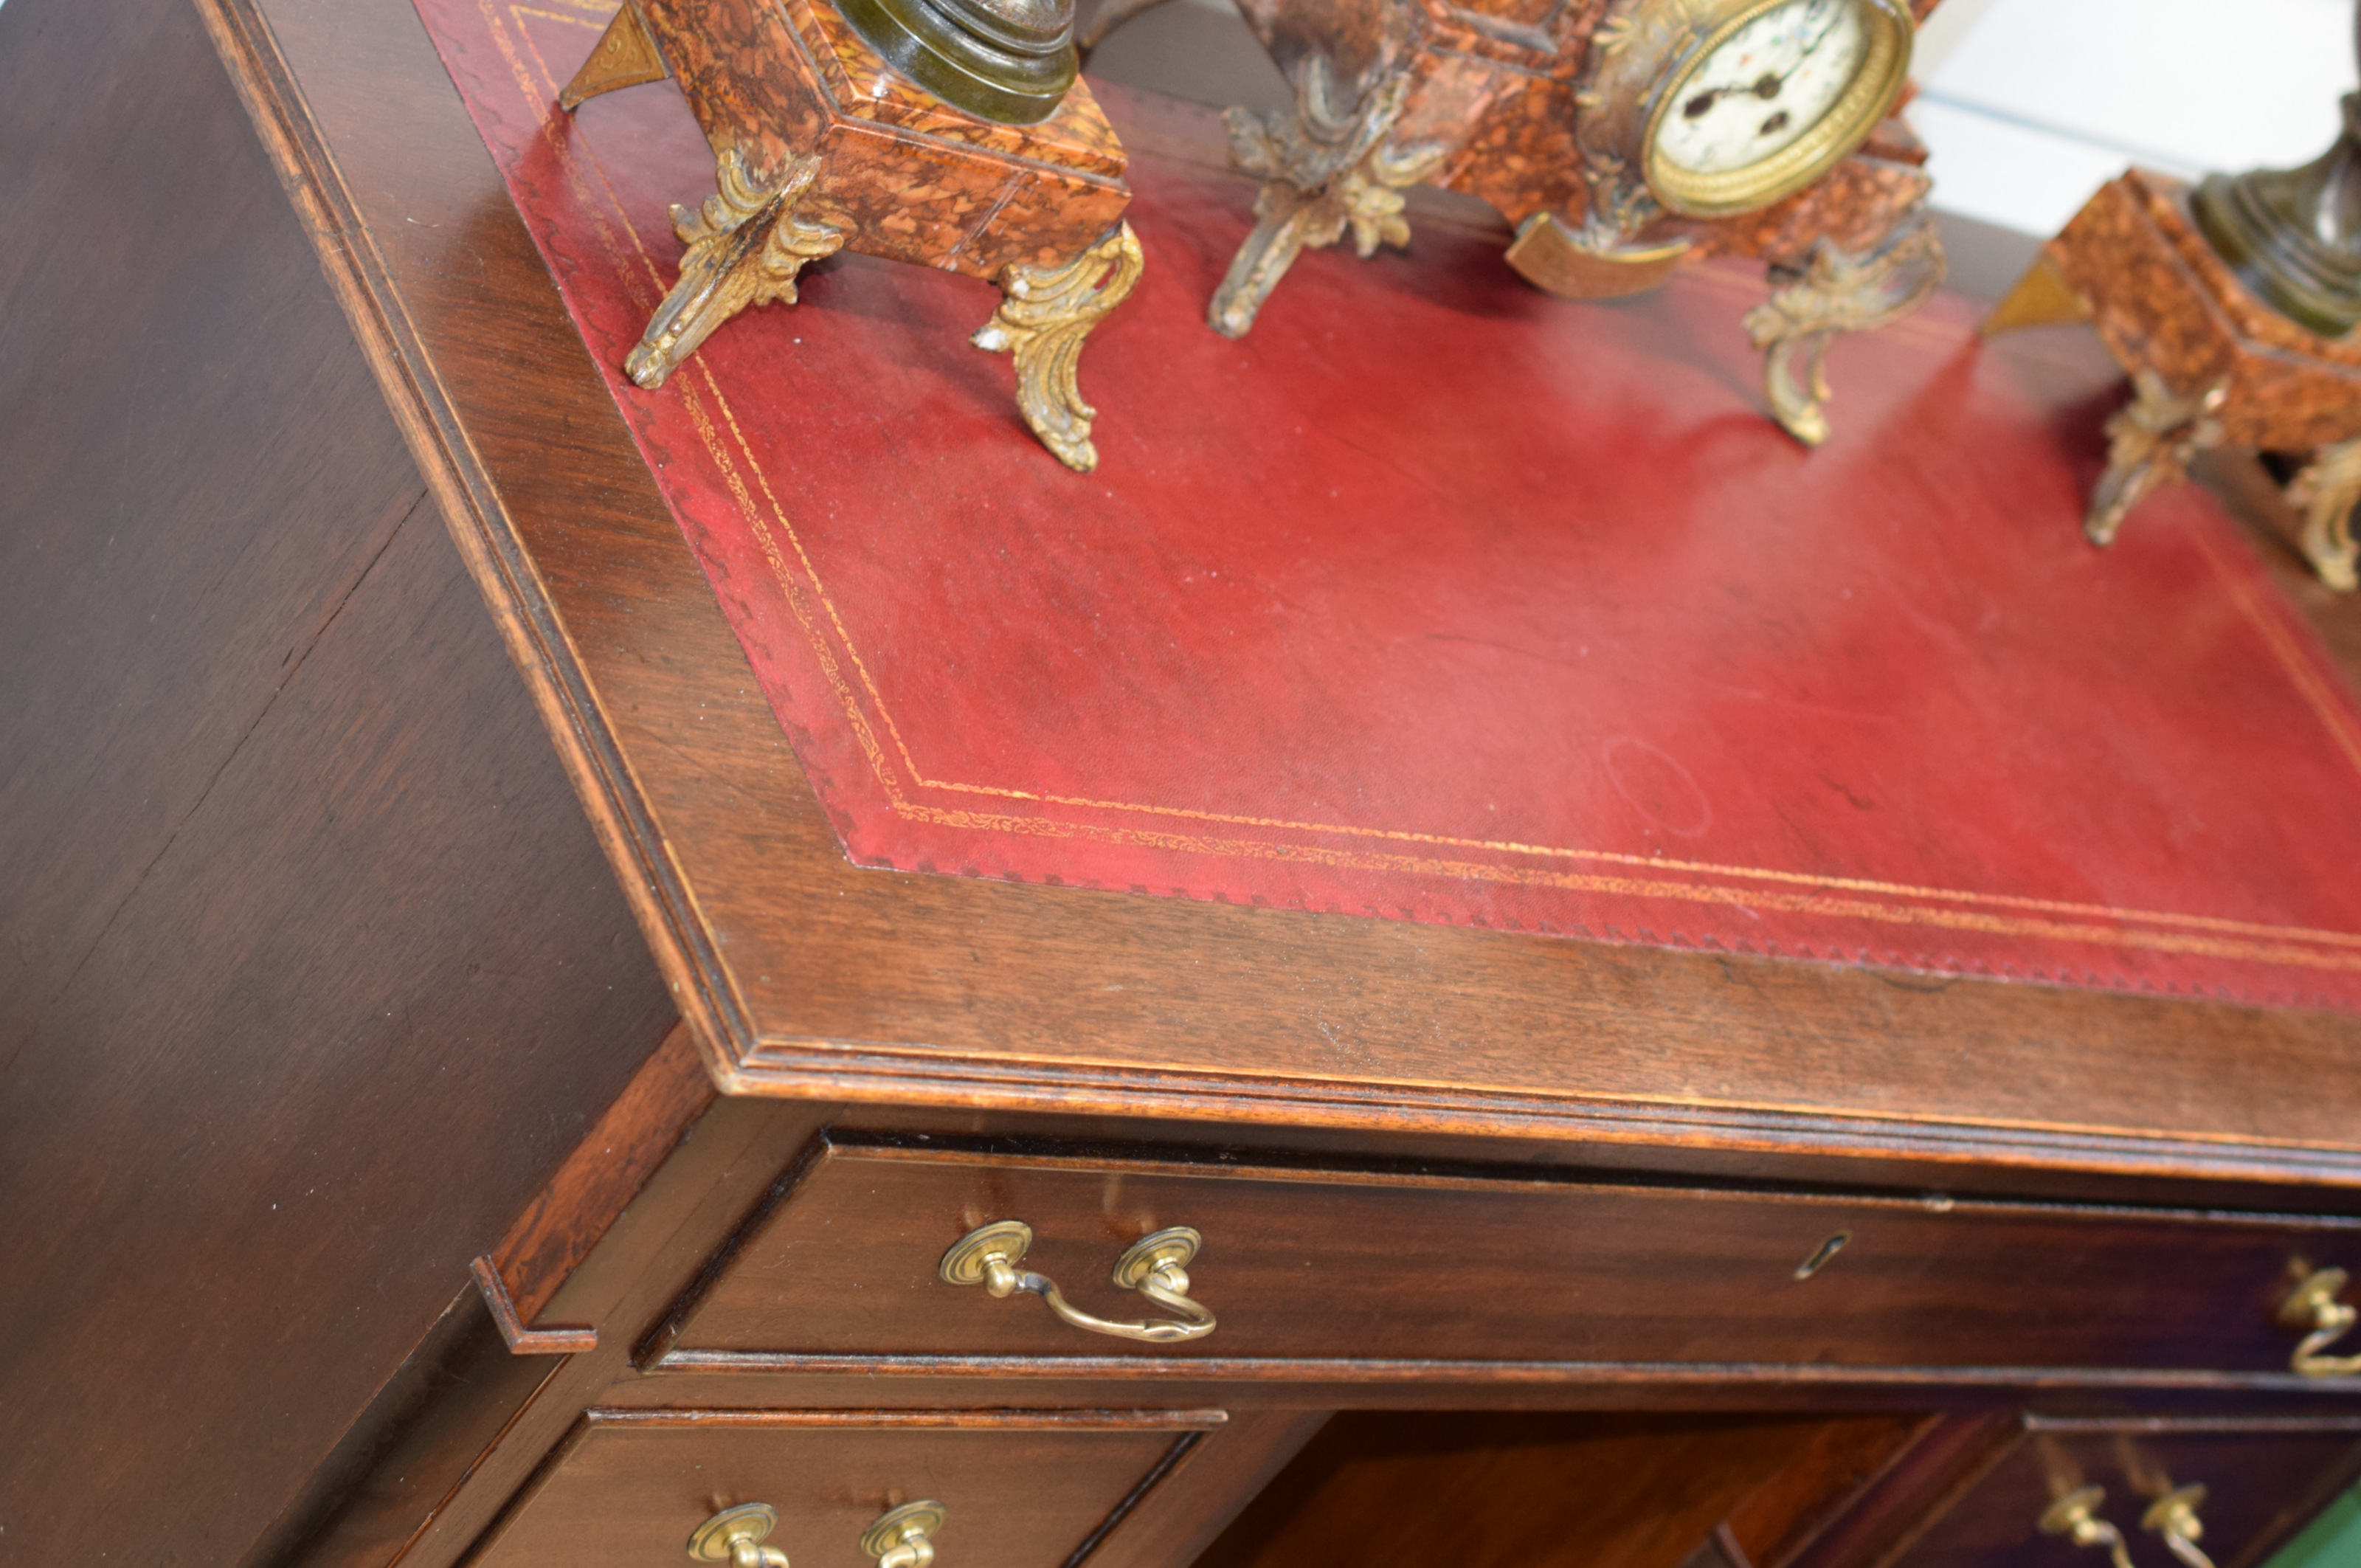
x=1396 y=1490
x=1020 y=1489
x=448 y=1469
x=300 y=916
x=603 y=1174
x=1308 y=1264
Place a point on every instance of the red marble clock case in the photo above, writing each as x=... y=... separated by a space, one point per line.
x=1488 y=98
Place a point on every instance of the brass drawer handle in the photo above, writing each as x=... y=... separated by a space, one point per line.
x=901 y=1539
x=2076 y=1517
x=1155 y=1266
x=735 y=1536
x=2174 y=1517
x=2314 y=1308
x=904 y=1538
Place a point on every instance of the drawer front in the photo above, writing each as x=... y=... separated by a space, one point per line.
x=2262 y=1482
x=1016 y=1489
x=1300 y=1264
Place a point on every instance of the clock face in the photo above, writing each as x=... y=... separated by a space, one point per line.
x=1759 y=91
x=1737 y=103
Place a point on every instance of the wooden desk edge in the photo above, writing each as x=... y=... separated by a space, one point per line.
x=744 y=1060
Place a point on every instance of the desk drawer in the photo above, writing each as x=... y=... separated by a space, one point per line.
x=1317 y=1264
x=1012 y=1489
x=2236 y=1490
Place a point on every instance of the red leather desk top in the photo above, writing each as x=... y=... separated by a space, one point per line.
x=1438 y=599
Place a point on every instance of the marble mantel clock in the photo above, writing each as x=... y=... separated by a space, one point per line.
x=1620 y=138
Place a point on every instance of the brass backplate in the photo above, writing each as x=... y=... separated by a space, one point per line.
x=2320 y=1287
x=964 y=1265
x=1142 y=1257
x=2174 y=1513
x=2062 y=1516
x=922 y=1518
x=747 y=1521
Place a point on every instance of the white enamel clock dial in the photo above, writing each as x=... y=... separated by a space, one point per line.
x=1763 y=87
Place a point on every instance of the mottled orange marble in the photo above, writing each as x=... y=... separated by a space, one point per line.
x=1514 y=129
x=1495 y=82
x=2161 y=299
x=905 y=175
x=1855 y=206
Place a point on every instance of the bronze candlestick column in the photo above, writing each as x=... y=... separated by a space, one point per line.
x=2293 y=236
x=1010 y=61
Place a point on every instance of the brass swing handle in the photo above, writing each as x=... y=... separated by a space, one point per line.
x=902 y=1538
x=2172 y=1516
x=1155 y=1266
x=2076 y=1517
x=2314 y=1308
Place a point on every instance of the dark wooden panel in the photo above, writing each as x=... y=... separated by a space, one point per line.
x=603 y=1174
x=1822 y=1476
x=441 y=1475
x=1951 y=1454
x=366 y=1001
x=1192 y=1505
x=449 y=1402
x=1019 y=1490
x=1309 y=1263
x=2263 y=1480
x=197 y=467
x=1389 y=1489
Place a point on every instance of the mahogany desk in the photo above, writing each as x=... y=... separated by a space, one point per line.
x=343 y=918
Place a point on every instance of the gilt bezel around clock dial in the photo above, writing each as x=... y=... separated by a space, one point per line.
x=1650 y=58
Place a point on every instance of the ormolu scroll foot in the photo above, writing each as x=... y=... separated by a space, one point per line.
x=1323 y=173
x=624 y=56
x=1836 y=292
x=1044 y=314
x=745 y=247
x=2149 y=443
x=2326 y=489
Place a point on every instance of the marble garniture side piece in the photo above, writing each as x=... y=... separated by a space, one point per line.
x=2211 y=363
x=820 y=144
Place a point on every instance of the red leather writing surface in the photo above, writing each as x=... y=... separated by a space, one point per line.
x=1439 y=599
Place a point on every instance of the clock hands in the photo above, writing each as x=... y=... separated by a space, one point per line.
x=1769 y=86
x=1698 y=105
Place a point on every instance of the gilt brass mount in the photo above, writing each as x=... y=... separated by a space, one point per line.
x=2076 y=1517
x=1156 y=1265
x=2174 y=1517
x=2313 y=1307
x=904 y=1536
x=735 y=1535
